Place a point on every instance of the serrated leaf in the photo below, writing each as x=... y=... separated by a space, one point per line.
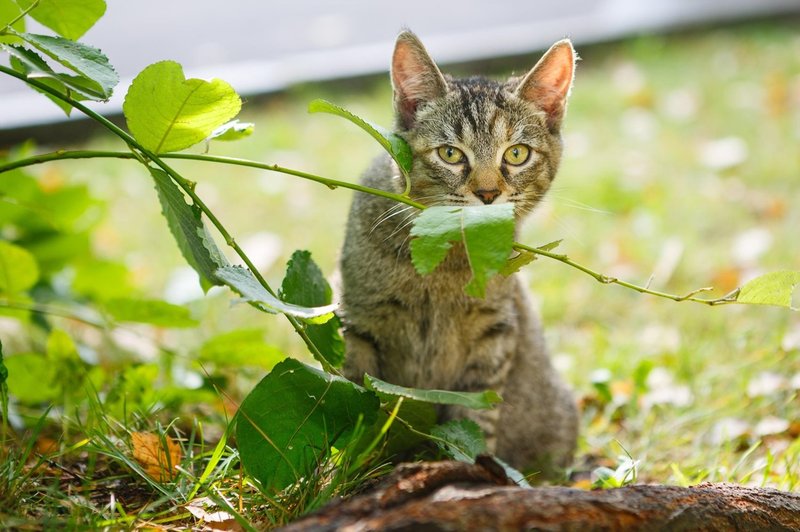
x=393 y=143
x=69 y=18
x=152 y=311
x=33 y=66
x=233 y=130
x=166 y=112
x=464 y=439
x=286 y=426
x=186 y=224
x=474 y=400
x=97 y=78
x=515 y=263
x=774 y=288
x=487 y=233
x=305 y=285
x=18 y=269
x=244 y=283
x=242 y=347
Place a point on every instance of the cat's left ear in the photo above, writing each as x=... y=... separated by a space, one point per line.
x=547 y=85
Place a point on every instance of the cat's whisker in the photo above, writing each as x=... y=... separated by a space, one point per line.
x=387 y=217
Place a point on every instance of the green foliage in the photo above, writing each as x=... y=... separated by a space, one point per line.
x=304 y=284
x=30 y=378
x=240 y=348
x=393 y=143
x=774 y=288
x=166 y=112
x=95 y=79
x=233 y=130
x=292 y=418
x=461 y=439
x=69 y=18
x=487 y=234
x=624 y=474
x=475 y=400
x=18 y=269
x=9 y=10
x=186 y=225
x=242 y=281
x=150 y=311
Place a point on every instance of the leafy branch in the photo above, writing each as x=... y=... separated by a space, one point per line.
x=144 y=155
x=545 y=251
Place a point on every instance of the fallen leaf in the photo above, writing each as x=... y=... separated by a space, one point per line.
x=215 y=520
x=158 y=463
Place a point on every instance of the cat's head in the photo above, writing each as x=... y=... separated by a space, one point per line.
x=476 y=141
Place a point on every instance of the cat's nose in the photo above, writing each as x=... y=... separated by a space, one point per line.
x=487 y=196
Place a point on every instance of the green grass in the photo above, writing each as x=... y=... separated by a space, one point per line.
x=645 y=187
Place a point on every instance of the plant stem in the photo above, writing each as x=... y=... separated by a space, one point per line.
x=188 y=188
x=19 y=17
x=333 y=183
x=95 y=154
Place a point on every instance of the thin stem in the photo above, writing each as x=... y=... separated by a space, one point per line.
x=188 y=188
x=19 y=17
x=94 y=154
x=604 y=279
x=51 y=311
x=332 y=183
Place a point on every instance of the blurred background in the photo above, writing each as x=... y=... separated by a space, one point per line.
x=681 y=166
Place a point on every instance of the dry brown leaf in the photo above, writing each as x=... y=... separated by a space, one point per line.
x=158 y=463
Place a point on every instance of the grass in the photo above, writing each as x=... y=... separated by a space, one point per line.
x=681 y=162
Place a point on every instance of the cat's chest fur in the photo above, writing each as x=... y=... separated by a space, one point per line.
x=425 y=331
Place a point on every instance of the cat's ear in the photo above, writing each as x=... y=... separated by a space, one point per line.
x=547 y=85
x=415 y=78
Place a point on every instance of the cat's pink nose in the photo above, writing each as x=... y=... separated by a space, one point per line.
x=487 y=196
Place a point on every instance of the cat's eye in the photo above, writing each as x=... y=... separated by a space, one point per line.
x=451 y=154
x=517 y=154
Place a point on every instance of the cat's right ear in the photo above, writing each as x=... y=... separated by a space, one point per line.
x=415 y=78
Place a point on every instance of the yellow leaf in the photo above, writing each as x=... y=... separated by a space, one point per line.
x=159 y=463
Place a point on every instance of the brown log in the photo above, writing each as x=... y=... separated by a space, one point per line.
x=458 y=496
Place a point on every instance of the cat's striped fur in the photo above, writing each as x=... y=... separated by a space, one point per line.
x=423 y=331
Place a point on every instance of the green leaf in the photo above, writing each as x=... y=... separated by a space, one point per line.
x=305 y=285
x=186 y=225
x=102 y=279
x=152 y=311
x=393 y=143
x=30 y=378
x=18 y=269
x=486 y=231
x=233 y=130
x=97 y=77
x=69 y=18
x=166 y=112
x=61 y=348
x=774 y=288
x=242 y=347
x=31 y=64
x=464 y=439
x=515 y=263
x=243 y=282
x=287 y=425
x=474 y=400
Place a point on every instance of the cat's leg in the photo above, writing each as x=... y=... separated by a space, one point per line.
x=539 y=416
x=362 y=356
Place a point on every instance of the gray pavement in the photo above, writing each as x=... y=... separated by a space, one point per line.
x=263 y=46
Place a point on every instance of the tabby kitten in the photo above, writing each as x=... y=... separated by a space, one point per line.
x=475 y=141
